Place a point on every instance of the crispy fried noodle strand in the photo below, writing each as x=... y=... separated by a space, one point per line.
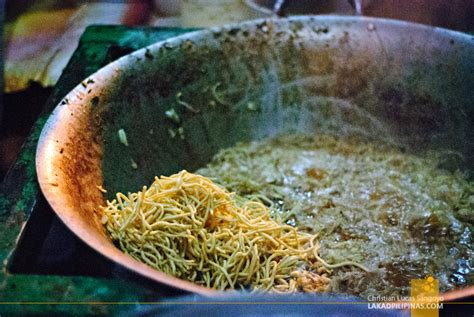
x=187 y=226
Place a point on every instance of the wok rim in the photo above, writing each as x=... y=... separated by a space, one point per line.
x=44 y=161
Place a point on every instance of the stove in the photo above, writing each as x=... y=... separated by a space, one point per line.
x=43 y=261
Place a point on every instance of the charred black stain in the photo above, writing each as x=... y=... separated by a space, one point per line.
x=148 y=54
x=234 y=31
x=95 y=101
x=321 y=30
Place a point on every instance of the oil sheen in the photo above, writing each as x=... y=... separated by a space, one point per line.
x=404 y=216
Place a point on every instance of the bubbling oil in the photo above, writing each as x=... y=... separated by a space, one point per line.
x=398 y=214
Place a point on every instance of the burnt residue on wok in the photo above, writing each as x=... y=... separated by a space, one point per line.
x=180 y=102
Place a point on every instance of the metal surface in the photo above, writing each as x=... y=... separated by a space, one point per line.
x=403 y=83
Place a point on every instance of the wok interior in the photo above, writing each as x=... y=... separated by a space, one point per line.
x=404 y=84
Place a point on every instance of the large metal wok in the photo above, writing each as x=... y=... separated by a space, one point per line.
x=408 y=84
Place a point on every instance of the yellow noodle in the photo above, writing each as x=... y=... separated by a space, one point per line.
x=188 y=226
